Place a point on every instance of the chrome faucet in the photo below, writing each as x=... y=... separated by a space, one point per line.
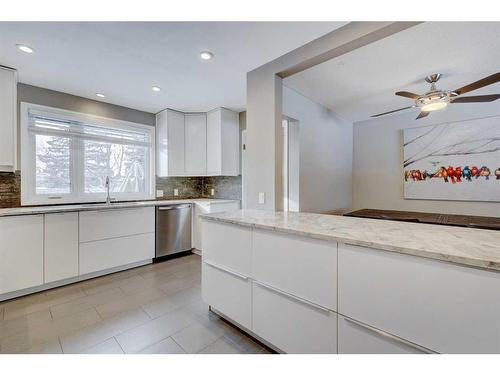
x=108 y=198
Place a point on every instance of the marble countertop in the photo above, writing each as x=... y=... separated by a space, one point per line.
x=33 y=210
x=466 y=246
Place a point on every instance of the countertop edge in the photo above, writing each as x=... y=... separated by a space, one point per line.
x=458 y=260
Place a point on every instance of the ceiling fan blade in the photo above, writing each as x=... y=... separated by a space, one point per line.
x=422 y=114
x=407 y=94
x=476 y=99
x=396 y=110
x=478 y=84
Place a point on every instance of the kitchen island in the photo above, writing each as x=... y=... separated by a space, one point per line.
x=311 y=283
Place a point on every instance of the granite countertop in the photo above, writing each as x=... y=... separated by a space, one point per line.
x=466 y=246
x=33 y=210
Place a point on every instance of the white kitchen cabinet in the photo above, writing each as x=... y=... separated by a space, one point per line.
x=356 y=338
x=201 y=208
x=61 y=246
x=223 y=132
x=21 y=252
x=170 y=139
x=292 y=325
x=196 y=144
x=8 y=120
x=228 y=292
x=104 y=224
x=444 y=307
x=228 y=246
x=301 y=266
x=109 y=253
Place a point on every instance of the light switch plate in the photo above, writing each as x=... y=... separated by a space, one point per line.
x=262 y=198
x=159 y=193
x=212 y=192
x=176 y=192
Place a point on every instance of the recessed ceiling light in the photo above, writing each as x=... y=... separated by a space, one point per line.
x=25 y=48
x=100 y=95
x=206 y=55
x=156 y=88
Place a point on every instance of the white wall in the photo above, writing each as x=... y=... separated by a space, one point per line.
x=378 y=155
x=325 y=154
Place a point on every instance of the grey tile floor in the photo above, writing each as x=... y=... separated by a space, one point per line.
x=154 y=309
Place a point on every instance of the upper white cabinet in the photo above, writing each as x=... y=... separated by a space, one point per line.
x=195 y=132
x=223 y=132
x=197 y=144
x=170 y=140
x=21 y=252
x=8 y=123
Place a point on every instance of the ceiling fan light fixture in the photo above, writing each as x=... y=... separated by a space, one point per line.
x=436 y=106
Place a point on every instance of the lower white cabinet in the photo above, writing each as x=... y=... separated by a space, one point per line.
x=292 y=325
x=229 y=293
x=356 y=338
x=21 y=252
x=100 y=255
x=61 y=246
x=201 y=208
x=444 y=307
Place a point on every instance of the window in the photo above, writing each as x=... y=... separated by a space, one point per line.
x=67 y=156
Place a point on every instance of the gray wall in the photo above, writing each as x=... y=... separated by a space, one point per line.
x=378 y=155
x=325 y=154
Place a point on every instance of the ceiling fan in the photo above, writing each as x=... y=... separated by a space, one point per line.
x=436 y=99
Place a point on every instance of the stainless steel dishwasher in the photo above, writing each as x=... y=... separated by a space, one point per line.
x=173 y=229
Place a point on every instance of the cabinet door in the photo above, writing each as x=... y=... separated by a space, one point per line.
x=230 y=141
x=214 y=146
x=292 y=325
x=176 y=160
x=196 y=144
x=21 y=252
x=61 y=246
x=199 y=209
x=7 y=120
x=229 y=293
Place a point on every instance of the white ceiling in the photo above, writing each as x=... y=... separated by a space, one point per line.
x=124 y=59
x=363 y=82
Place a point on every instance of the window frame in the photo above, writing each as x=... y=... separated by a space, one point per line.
x=77 y=194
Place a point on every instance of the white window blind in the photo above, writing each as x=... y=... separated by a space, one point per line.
x=67 y=156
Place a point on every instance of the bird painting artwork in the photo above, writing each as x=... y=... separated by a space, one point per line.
x=453 y=161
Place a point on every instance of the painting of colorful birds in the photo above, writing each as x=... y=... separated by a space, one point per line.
x=453 y=161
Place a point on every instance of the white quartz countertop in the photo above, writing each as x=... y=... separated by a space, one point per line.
x=466 y=246
x=33 y=210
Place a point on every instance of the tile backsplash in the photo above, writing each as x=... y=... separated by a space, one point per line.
x=225 y=187
x=10 y=190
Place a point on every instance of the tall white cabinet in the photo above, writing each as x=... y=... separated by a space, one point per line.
x=197 y=144
x=8 y=120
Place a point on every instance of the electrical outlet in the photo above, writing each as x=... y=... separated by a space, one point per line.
x=176 y=192
x=212 y=192
x=262 y=198
x=159 y=193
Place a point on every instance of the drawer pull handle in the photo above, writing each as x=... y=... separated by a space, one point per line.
x=379 y=332
x=291 y=296
x=226 y=270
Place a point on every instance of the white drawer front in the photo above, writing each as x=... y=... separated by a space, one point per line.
x=300 y=266
x=228 y=293
x=291 y=325
x=61 y=246
x=229 y=246
x=354 y=338
x=101 y=255
x=98 y=225
x=440 y=306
